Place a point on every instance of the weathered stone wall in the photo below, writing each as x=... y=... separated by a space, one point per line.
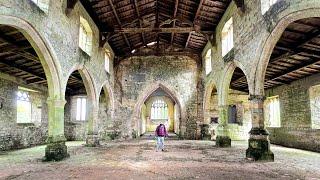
x=254 y=36
x=295 y=115
x=135 y=76
x=106 y=123
x=14 y=135
x=59 y=32
x=236 y=131
x=74 y=130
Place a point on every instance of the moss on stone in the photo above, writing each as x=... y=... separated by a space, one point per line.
x=223 y=141
x=56 y=152
x=259 y=150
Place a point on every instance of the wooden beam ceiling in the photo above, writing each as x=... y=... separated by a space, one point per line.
x=160 y=30
x=296 y=55
x=194 y=21
x=133 y=24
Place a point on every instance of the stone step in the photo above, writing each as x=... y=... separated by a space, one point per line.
x=151 y=136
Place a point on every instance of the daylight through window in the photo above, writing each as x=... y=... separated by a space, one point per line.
x=81 y=108
x=85 y=36
x=227 y=37
x=23 y=107
x=42 y=4
x=208 y=62
x=266 y=4
x=273 y=108
x=159 y=110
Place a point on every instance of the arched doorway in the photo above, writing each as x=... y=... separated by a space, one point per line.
x=211 y=109
x=158 y=108
x=143 y=107
x=106 y=124
x=82 y=105
x=234 y=109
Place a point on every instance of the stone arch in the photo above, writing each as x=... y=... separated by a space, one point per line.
x=44 y=51
x=92 y=100
x=107 y=89
x=271 y=41
x=207 y=96
x=225 y=81
x=88 y=82
x=147 y=92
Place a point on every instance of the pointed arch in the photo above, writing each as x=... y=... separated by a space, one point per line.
x=224 y=84
x=147 y=92
x=44 y=51
x=210 y=86
x=109 y=93
x=272 y=40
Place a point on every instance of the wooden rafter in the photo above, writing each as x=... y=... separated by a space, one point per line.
x=194 y=21
x=157 y=22
x=103 y=27
x=21 y=52
x=140 y=21
x=160 y=30
x=174 y=16
x=119 y=23
x=284 y=68
x=23 y=69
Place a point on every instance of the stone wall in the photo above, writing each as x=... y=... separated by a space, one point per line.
x=14 y=135
x=295 y=115
x=135 y=76
x=74 y=130
x=255 y=35
x=238 y=131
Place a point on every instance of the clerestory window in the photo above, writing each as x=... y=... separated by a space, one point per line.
x=85 y=36
x=227 y=37
x=266 y=5
x=208 y=61
x=42 y=4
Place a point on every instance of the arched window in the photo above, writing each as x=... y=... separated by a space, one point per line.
x=266 y=4
x=42 y=4
x=23 y=107
x=227 y=37
x=273 y=112
x=159 y=110
x=208 y=62
x=107 y=61
x=85 y=36
x=81 y=105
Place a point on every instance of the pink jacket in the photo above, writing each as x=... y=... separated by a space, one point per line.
x=161 y=131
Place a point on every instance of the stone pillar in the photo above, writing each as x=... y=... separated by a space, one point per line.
x=223 y=139
x=259 y=144
x=93 y=139
x=56 y=149
x=205 y=133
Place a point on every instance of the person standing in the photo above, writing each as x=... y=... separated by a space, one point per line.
x=160 y=133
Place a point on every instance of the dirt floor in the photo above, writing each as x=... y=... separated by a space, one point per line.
x=137 y=159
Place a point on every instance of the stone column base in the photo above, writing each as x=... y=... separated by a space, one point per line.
x=259 y=146
x=56 y=151
x=223 y=141
x=92 y=140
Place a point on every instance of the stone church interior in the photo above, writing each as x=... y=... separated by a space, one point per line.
x=84 y=85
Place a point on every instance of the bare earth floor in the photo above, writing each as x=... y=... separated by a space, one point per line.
x=137 y=159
